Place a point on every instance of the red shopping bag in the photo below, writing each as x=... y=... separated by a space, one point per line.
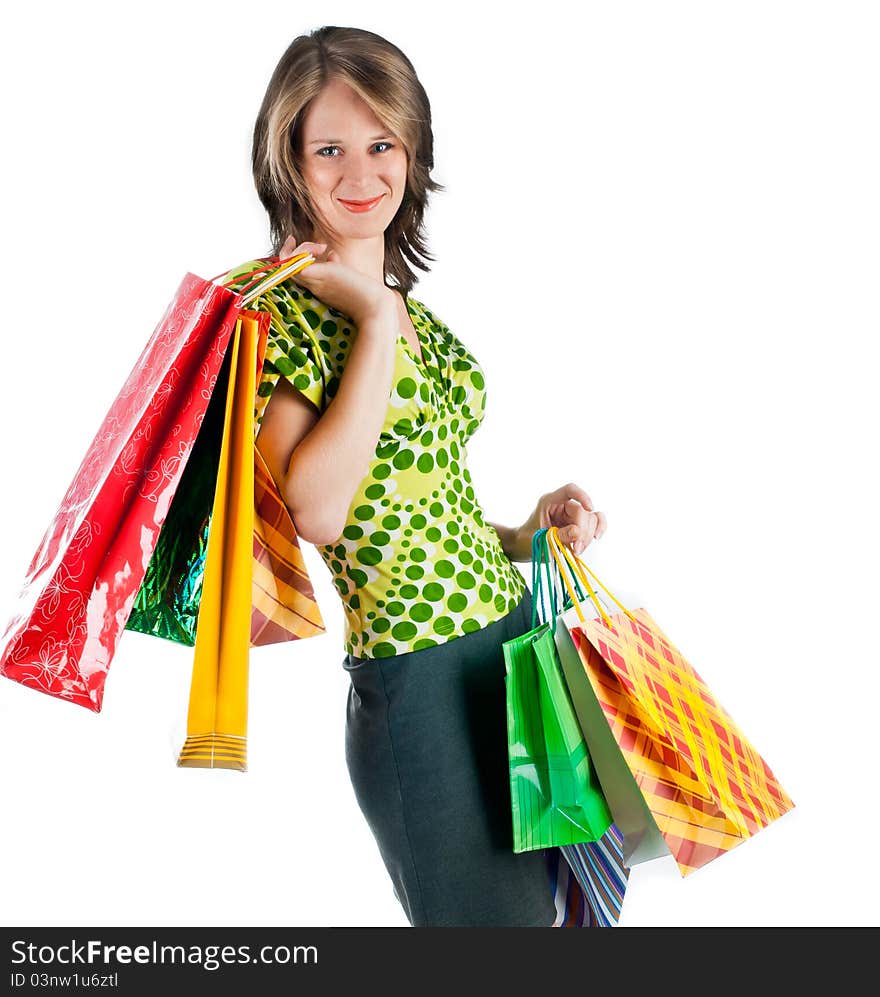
x=81 y=584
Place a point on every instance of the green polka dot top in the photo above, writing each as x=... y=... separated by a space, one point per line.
x=416 y=564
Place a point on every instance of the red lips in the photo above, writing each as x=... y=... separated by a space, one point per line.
x=359 y=206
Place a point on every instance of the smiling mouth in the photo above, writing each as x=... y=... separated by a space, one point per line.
x=361 y=206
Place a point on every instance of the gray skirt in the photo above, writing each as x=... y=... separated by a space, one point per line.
x=426 y=750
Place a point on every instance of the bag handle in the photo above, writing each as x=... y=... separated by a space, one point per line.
x=267 y=265
x=278 y=270
x=540 y=557
x=540 y=560
x=565 y=558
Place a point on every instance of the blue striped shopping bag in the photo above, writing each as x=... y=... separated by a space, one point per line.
x=589 y=881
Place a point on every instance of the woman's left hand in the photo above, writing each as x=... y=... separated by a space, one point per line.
x=570 y=510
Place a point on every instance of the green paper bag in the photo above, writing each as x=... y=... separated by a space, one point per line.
x=556 y=798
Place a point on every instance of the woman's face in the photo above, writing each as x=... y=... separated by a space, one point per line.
x=349 y=155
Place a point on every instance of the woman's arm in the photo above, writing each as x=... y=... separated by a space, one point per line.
x=514 y=545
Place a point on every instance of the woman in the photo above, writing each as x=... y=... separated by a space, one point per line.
x=366 y=404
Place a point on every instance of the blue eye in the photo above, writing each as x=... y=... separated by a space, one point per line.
x=326 y=147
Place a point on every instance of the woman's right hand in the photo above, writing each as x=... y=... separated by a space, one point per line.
x=339 y=285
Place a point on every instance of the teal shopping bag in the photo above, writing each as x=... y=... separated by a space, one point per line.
x=556 y=798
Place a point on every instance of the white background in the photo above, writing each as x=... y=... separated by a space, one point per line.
x=659 y=238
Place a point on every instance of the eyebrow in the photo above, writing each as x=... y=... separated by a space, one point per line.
x=339 y=141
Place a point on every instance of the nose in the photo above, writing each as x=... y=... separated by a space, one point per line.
x=359 y=172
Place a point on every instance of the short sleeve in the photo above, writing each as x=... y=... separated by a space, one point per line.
x=293 y=347
x=295 y=354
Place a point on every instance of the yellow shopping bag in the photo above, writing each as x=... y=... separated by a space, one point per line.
x=217 y=717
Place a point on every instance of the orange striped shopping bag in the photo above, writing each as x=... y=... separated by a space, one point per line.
x=705 y=785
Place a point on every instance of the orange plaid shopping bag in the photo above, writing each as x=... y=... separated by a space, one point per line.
x=704 y=783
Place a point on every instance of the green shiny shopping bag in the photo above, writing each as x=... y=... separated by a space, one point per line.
x=556 y=798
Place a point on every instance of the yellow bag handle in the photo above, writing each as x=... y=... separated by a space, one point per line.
x=563 y=554
x=288 y=268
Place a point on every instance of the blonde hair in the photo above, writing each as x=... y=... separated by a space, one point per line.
x=385 y=79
